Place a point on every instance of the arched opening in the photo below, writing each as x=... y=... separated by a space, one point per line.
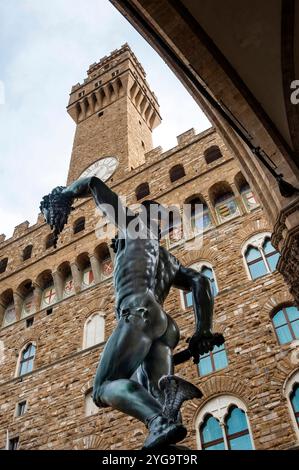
x=27 y=252
x=198 y=211
x=176 y=172
x=46 y=283
x=79 y=225
x=26 y=359
x=224 y=201
x=102 y=254
x=87 y=276
x=211 y=434
x=142 y=191
x=222 y=424
x=7 y=308
x=66 y=278
x=260 y=256
x=94 y=330
x=3 y=265
x=245 y=191
x=212 y=154
x=286 y=323
x=26 y=291
x=50 y=241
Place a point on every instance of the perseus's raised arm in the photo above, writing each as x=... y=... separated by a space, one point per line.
x=57 y=205
x=106 y=199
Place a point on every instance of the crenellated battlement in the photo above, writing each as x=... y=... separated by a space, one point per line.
x=114 y=76
x=107 y=60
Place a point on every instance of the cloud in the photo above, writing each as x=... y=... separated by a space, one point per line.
x=48 y=48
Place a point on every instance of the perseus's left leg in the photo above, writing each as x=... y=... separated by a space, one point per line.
x=159 y=360
x=156 y=374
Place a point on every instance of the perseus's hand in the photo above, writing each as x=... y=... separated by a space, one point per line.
x=203 y=342
x=56 y=208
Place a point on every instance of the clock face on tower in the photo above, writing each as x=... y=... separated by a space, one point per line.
x=103 y=168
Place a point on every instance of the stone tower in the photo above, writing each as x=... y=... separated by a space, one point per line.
x=115 y=112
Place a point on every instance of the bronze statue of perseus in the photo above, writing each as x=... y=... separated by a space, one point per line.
x=143 y=341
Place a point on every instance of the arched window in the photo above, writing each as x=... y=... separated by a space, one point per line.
x=172 y=226
x=211 y=434
x=212 y=154
x=27 y=359
x=199 y=213
x=207 y=271
x=27 y=252
x=271 y=255
x=26 y=291
x=142 y=191
x=176 y=172
x=224 y=201
x=84 y=266
x=87 y=277
x=28 y=305
x=237 y=431
x=66 y=279
x=222 y=424
x=213 y=361
x=68 y=286
x=248 y=197
x=49 y=295
x=9 y=315
x=3 y=265
x=294 y=397
x=260 y=256
x=107 y=267
x=7 y=308
x=286 y=324
x=105 y=263
x=291 y=392
x=245 y=191
x=79 y=225
x=226 y=206
x=94 y=330
x=50 y=240
x=90 y=407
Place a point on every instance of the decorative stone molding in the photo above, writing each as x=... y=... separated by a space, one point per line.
x=205 y=254
x=26 y=338
x=286 y=367
x=255 y=227
x=87 y=387
x=275 y=301
x=285 y=238
x=92 y=442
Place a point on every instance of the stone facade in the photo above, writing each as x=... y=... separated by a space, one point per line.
x=57 y=388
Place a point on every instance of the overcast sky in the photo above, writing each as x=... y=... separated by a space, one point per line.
x=46 y=47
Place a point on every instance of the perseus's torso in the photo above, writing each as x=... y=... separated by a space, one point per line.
x=135 y=267
x=141 y=265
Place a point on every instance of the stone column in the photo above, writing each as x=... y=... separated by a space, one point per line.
x=58 y=284
x=2 y=311
x=37 y=296
x=212 y=211
x=18 y=302
x=77 y=277
x=95 y=266
x=239 y=199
